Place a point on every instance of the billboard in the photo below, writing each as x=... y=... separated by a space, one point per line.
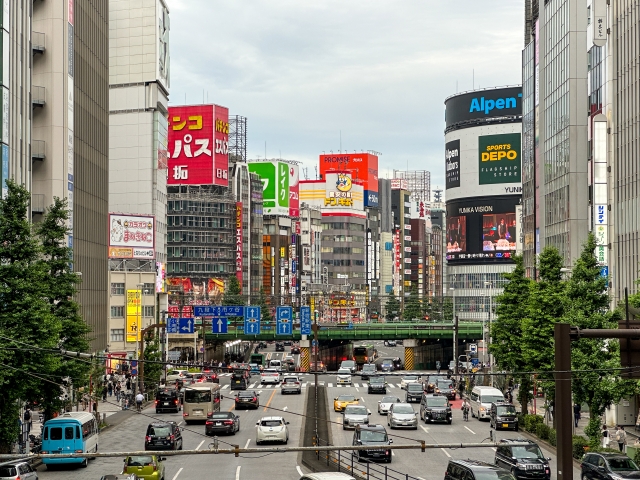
x=482 y=229
x=452 y=160
x=294 y=191
x=480 y=106
x=399 y=184
x=134 y=301
x=275 y=178
x=131 y=236
x=198 y=145
x=161 y=275
x=199 y=290
x=499 y=159
x=363 y=167
x=338 y=194
x=239 y=241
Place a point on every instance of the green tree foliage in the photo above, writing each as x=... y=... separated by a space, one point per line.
x=59 y=288
x=152 y=371
x=233 y=293
x=25 y=314
x=265 y=309
x=440 y=309
x=392 y=308
x=506 y=331
x=413 y=309
x=546 y=307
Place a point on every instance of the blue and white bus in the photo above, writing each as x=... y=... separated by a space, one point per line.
x=71 y=432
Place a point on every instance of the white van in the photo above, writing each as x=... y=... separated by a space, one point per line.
x=276 y=365
x=481 y=399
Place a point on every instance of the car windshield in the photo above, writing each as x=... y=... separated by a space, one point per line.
x=269 y=370
x=197 y=396
x=491 y=399
x=346 y=398
x=139 y=461
x=497 y=474
x=290 y=380
x=444 y=384
x=410 y=378
x=369 y=367
x=506 y=410
x=390 y=400
x=414 y=387
x=246 y=394
x=376 y=380
x=221 y=415
x=343 y=371
x=348 y=363
x=530 y=451
x=159 y=431
x=369 y=436
x=271 y=423
x=403 y=409
x=621 y=464
x=436 y=402
x=355 y=410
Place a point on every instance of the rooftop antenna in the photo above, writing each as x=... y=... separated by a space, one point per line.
x=305 y=173
x=316 y=167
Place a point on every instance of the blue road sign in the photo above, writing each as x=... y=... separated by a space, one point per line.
x=604 y=271
x=204 y=310
x=186 y=324
x=473 y=348
x=219 y=325
x=172 y=325
x=350 y=326
x=305 y=320
x=252 y=320
x=284 y=323
x=230 y=311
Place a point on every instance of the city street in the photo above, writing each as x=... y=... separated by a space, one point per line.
x=129 y=435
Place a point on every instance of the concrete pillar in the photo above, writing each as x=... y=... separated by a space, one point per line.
x=409 y=346
x=305 y=355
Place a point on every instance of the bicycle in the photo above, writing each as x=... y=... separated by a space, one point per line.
x=465 y=414
x=139 y=407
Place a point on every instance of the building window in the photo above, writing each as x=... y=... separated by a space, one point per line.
x=117 y=334
x=117 y=312
x=117 y=289
x=149 y=288
x=149 y=310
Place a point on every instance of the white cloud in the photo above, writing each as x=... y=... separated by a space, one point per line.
x=378 y=71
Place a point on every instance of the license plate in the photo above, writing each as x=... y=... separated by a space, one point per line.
x=197 y=412
x=218 y=423
x=505 y=425
x=166 y=403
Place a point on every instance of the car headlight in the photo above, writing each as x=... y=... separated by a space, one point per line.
x=482 y=409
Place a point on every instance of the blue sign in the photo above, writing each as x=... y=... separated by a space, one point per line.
x=220 y=325
x=252 y=320
x=305 y=320
x=204 y=311
x=473 y=348
x=228 y=311
x=604 y=271
x=284 y=321
x=349 y=326
x=293 y=266
x=186 y=325
x=172 y=325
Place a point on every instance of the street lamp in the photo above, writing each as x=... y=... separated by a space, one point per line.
x=455 y=332
x=489 y=285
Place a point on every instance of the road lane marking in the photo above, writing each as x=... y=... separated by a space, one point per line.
x=362 y=399
x=357 y=389
x=176 y=475
x=198 y=447
x=445 y=452
x=246 y=445
x=357 y=385
x=238 y=473
x=232 y=407
x=269 y=402
x=300 y=472
x=180 y=424
x=330 y=385
x=224 y=386
x=424 y=428
x=285 y=409
x=252 y=385
x=493 y=449
x=469 y=429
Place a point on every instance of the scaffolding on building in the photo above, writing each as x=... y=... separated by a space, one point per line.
x=418 y=183
x=237 y=139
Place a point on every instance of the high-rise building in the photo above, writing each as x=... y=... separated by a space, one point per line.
x=69 y=92
x=401 y=209
x=420 y=253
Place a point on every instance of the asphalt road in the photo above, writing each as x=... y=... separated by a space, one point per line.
x=129 y=435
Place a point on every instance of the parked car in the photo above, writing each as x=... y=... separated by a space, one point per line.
x=355 y=415
x=222 y=422
x=147 y=467
x=385 y=403
x=272 y=429
x=475 y=470
x=528 y=462
x=163 y=436
x=435 y=408
x=372 y=435
x=402 y=415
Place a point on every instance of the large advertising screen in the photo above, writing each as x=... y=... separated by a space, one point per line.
x=499 y=159
x=275 y=178
x=363 y=167
x=452 y=160
x=131 y=236
x=198 y=145
x=481 y=230
x=481 y=105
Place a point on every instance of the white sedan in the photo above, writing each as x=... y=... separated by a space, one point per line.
x=344 y=376
x=385 y=403
x=270 y=375
x=407 y=379
x=272 y=429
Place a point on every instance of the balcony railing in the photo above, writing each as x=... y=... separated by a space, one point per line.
x=38 y=96
x=38 y=42
x=37 y=203
x=38 y=148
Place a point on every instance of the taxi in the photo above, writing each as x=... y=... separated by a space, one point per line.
x=341 y=402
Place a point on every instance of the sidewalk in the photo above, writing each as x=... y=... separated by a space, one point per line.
x=540 y=410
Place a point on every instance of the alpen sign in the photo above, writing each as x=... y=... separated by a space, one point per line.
x=452 y=160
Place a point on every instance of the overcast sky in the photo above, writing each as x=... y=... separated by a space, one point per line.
x=302 y=71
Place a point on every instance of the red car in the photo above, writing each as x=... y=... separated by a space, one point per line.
x=212 y=378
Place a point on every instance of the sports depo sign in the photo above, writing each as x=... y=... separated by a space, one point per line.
x=499 y=158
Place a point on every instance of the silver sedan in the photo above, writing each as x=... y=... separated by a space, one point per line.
x=355 y=415
x=402 y=415
x=385 y=403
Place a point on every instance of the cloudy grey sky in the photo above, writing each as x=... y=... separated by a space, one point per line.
x=301 y=71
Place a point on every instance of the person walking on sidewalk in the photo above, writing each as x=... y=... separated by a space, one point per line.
x=576 y=413
x=621 y=437
x=605 y=437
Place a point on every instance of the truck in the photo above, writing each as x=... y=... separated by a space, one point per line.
x=257 y=358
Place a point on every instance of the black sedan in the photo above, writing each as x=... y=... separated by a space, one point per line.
x=247 y=400
x=222 y=422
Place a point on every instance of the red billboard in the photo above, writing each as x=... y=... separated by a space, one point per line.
x=239 y=241
x=294 y=191
x=198 y=145
x=363 y=167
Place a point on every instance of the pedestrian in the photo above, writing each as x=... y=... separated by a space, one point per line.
x=605 y=437
x=95 y=406
x=27 y=419
x=576 y=413
x=438 y=367
x=110 y=389
x=104 y=394
x=128 y=384
x=621 y=437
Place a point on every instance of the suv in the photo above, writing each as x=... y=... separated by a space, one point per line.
x=377 y=385
x=474 y=470
x=167 y=399
x=368 y=369
x=19 y=470
x=523 y=462
x=374 y=435
x=435 y=408
x=598 y=466
x=503 y=416
x=279 y=347
x=163 y=436
x=414 y=392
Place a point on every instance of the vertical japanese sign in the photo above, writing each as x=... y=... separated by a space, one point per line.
x=239 y=242
x=70 y=115
x=133 y=315
x=161 y=275
x=198 y=145
x=294 y=191
x=275 y=186
x=396 y=263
